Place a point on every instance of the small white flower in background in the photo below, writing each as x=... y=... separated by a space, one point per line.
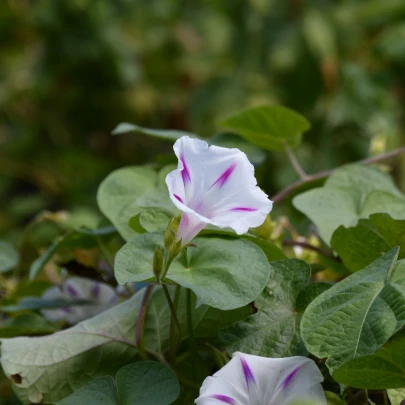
x=101 y=295
x=255 y=380
x=217 y=186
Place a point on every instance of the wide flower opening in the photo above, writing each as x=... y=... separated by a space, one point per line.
x=215 y=185
x=254 y=380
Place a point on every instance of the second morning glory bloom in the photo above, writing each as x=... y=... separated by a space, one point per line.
x=217 y=186
x=101 y=296
x=255 y=380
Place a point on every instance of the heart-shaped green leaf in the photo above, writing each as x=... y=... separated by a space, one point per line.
x=125 y=192
x=358 y=315
x=352 y=192
x=382 y=370
x=147 y=383
x=269 y=127
x=224 y=274
x=100 y=391
x=274 y=330
x=369 y=239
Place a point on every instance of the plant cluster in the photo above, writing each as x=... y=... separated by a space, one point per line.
x=212 y=280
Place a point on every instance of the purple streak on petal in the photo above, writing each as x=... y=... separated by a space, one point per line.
x=72 y=291
x=178 y=198
x=67 y=310
x=224 y=398
x=289 y=378
x=243 y=209
x=224 y=177
x=96 y=290
x=185 y=173
x=249 y=377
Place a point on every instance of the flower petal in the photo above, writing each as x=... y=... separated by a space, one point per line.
x=217 y=185
x=100 y=294
x=255 y=380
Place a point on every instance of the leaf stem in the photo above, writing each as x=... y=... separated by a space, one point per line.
x=172 y=319
x=140 y=322
x=385 y=397
x=280 y=196
x=173 y=346
x=107 y=255
x=294 y=162
x=190 y=332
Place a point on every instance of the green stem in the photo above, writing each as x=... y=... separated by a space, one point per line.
x=385 y=397
x=367 y=397
x=174 y=344
x=181 y=378
x=172 y=319
x=107 y=255
x=167 y=263
x=141 y=321
x=219 y=357
x=190 y=331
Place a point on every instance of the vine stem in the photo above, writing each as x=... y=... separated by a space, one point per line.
x=280 y=196
x=190 y=332
x=173 y=316
x=294 y=162
x=141 y=321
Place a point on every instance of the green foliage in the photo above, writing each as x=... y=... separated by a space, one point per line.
x=274 y=330
x=185 y=66
x=396 y=396
x=269 y=127
x=25 y=324
x=384 y=369
x=124 y=193
x=8 y=257
x=351 y=193
x=215 y=270
x=359 y=245
x=146 y=382
x=167 y=135
x=368 y=307
x=98 y=392
x=149 y=383
x=42 y=363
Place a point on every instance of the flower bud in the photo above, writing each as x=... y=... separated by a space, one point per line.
x=171 y=231
x=158 y=263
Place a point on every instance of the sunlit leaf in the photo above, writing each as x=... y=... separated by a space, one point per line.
x=269 y=127
x=352 y=192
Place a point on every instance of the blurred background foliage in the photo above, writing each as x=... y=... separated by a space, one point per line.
x=71 y=70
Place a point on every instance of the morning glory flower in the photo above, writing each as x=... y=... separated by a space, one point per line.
x=217 y=186
x=100 y=295
x=255 y=380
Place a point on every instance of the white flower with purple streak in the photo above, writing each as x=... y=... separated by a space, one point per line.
x=101 y=296
x=217 y=186
x=255 y=380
